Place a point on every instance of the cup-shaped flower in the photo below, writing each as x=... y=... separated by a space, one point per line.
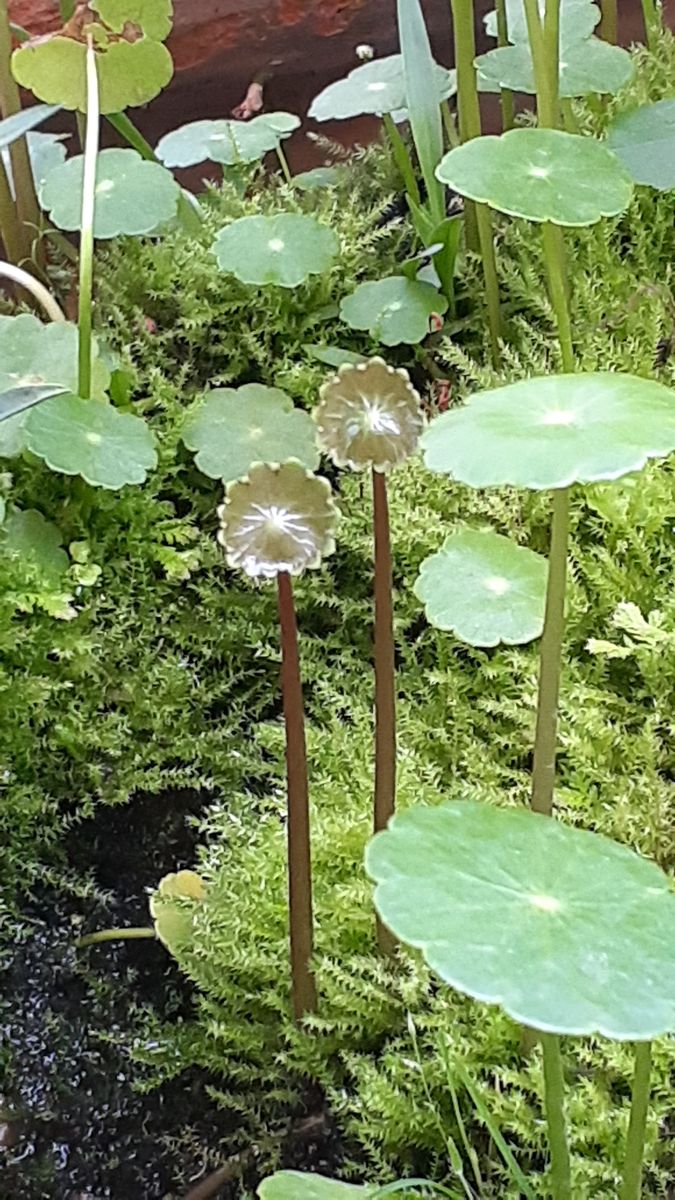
x=369 y=415
x=279 y=518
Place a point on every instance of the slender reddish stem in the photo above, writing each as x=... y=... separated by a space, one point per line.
x=385 y=675
x=299 y=850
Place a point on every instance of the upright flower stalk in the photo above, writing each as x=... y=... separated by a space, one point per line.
x=275 y=523
x=370 y=417
x=91 y=144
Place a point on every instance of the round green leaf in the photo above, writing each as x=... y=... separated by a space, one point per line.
x=46 y=152
x=393 y=310
x=566 y=930
x=232 y=428
x=33 y=355
x=296 y=1185
x=484 y=588
x=578 y=19
x=540 y=174
x=129 y=73
x=132 y=196
x=375 y=87
x=153 y=17
x=585 y=67
x=284 y=249
x=552 y=431
x=92 y=439
x=226 y=142
x=30 y=536
x=644 y=140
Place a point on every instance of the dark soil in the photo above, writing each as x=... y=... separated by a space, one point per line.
x=72 y=1124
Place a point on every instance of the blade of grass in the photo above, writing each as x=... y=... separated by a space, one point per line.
x=423 y=102
x=492 y=1127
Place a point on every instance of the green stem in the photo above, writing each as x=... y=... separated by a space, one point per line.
x=631 y=1186
x=283 y=163
x=609 y=25
x=469 y=128
x=450 y=125
x=121 y=123
x=556 y=270
x=544 y=62
x=402 y=159
x=652 y=20
x=66 y=8
x=301 y=920
x=550 y=659
x=569 y=117
x=114 y=935
x=503 y=40
x=385 y=676
x=84 y=319
x=468 y=104
x=487 y=249
x=10 y=229
x=554 y=1092
x=10 y=103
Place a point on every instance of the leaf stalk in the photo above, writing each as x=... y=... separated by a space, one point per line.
x=631 y=1186
x=554 y=1093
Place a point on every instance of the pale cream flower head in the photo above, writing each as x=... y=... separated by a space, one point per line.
x=369 y=415
x=279 y=518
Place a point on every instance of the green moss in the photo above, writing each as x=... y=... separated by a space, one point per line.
x=168 y=678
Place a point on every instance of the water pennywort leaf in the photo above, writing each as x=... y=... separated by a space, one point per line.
x=567 y=931
x=555 y=430
x=540 y=174
x=153 y=17
x=132 y=196
x=283 y=250
x=37 y=361
x=578 y=19
x=484 y=588
x=590 y=66
x=230 y=429
x=644 y=140
x=226 y=142
x=90 y=438
x=130 y=73
x=376 y=87
x=393 y=310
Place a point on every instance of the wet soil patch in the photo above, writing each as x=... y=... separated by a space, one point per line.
x=72 y=1124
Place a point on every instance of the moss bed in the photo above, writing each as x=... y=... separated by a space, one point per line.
x=144 y=735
